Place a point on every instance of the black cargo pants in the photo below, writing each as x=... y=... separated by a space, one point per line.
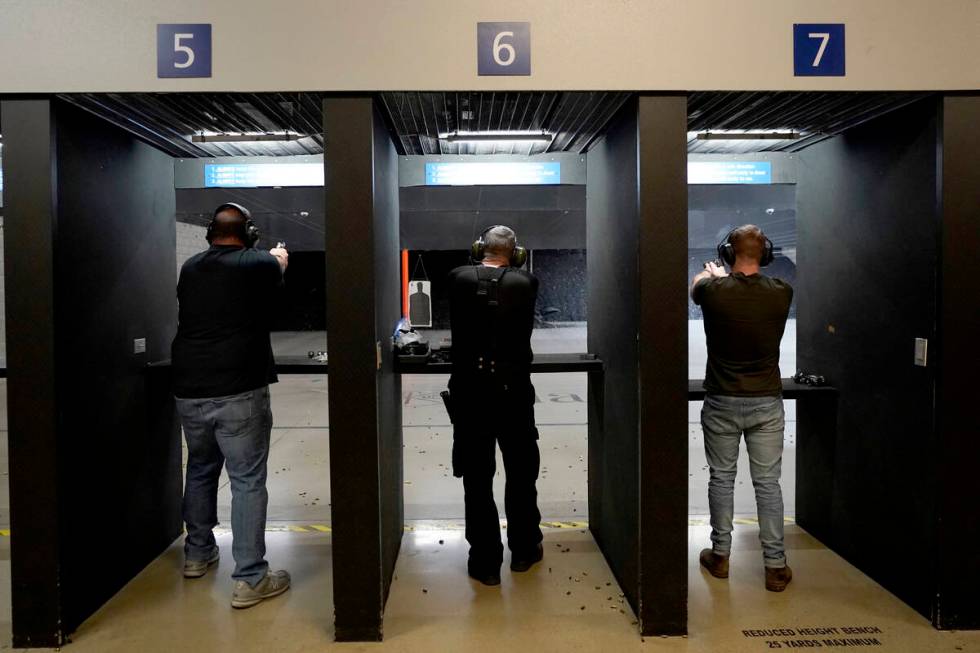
x=488 y=413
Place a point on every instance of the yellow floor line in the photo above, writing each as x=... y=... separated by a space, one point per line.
x=450 y=525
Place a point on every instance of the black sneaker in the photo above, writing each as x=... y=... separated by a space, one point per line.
x=523 y=563
x=488 y=577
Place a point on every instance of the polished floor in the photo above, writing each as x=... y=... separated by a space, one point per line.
x=570 y=602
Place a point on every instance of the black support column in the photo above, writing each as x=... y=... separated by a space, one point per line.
x=94 y=451
x=637 y=248
x=957 y=419
x=363 y=284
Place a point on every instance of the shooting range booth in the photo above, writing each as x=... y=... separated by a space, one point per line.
x=637 y=399
x=91 y=255
x=887 y=210
x=888 y=219
x=94 y=444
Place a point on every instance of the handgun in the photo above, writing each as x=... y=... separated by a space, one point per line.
x=447 y=400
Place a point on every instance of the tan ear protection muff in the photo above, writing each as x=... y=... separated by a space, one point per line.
x=479 y=249
x=726 y=251
x=249 y=233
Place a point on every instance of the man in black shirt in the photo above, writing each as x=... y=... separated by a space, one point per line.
x=744 y=319
x=492 y=315
x=223 y=365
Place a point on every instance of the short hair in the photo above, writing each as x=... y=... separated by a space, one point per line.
x=229 y=223
x=500 y=241
x=749 y=242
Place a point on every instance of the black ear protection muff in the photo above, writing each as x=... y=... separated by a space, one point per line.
x=479 y=249
x=249 y=233
x=726 y=251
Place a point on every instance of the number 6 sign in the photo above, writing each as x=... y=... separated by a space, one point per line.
x=503 y=48
x=184 y=50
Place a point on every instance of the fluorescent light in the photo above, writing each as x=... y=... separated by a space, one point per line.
x=283 y=137
x=724 y=135
x=497 y=137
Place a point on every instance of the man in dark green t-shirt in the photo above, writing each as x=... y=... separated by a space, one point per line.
x=744 y=319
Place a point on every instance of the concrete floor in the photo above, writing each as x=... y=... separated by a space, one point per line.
x=570 y=603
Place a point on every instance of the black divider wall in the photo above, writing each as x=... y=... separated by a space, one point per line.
x=105 y=257
x=637 y=306
x=365 y=420
x=663 y=365
x=35 y=490
x=613 y=229
x=388 y=305
x=957 y=420
x=867 y=222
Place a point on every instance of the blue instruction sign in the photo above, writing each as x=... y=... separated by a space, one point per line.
x=184 y=50
x=503 y=48
x=818 y=50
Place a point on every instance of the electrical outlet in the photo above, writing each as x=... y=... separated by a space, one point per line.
x=921 y=351
x=139 y=346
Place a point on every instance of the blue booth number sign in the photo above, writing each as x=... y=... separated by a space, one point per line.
x=503 y=48
x=184 y=50
x=818 y=50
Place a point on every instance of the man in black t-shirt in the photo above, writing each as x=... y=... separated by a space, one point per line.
x=744 y=319
x=222 y=366
x=492 y=315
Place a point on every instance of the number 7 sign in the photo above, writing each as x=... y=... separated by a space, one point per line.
x=818 y=50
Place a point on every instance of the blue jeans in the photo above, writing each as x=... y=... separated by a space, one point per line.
x=724 y=419
x=233 y=431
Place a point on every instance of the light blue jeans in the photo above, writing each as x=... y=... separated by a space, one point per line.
x=724 y=419
x=233 y=431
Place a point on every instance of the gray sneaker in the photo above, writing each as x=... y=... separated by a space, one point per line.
x=274 y=584
x=197 y=568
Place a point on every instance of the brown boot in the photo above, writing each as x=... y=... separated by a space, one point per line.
x=777 y=578
x=716 y=565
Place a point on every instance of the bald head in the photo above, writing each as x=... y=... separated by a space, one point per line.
x=229 y=227
x=749 y=243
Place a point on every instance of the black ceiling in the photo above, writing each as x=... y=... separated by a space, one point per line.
x=813 y=116
x=573 y=119
x=169 y=120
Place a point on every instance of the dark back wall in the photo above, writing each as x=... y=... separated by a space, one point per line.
x=561 y=294
x=445 y=217
x=867 y=219
x=109 y=266
x=452 y=217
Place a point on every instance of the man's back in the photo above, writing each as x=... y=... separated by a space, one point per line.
x=222 y=345
x=744 y=320
x=478 y=328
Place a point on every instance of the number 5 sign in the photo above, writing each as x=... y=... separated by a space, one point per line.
x=818 y=50
x=503 y=48
x=184 y=50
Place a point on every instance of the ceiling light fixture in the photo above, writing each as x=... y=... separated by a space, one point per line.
x=285 y=137
x=497 y=137
x=747 y=136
